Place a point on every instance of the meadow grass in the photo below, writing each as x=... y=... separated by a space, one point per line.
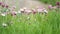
x=36 y=24
x=53 y=2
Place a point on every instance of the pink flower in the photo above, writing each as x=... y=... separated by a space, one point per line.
x=27 y=11
x=50 y=7
x=6 y=6
x=34 y=11
x=0 y=3
x=40 y=10
x=3 y=5
x=13 y=13
x=13 y=7
x=58 y=4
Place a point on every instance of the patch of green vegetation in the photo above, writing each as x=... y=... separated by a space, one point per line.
x=44 y=24
x=53 y=2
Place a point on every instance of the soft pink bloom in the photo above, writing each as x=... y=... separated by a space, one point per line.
x=14 y=7
x=13 y=13
x=6 y=6
x=28 y=11
x=0 y=3
x=34 y=11
x=3 y=5
x=50 y=7
x=40 y=9
x=58 y=4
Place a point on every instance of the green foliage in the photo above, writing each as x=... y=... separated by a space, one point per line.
x=44 y=24
x=53 y=2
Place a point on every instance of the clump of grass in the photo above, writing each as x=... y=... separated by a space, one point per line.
x=44 y=24
x=50 y=1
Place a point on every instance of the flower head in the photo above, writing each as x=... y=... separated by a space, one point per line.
x=4 y=24
x=13 y=13
x=22 y=10
x=50 y=7
x=34 y=11
x=28 y=11
x=3 y=5
x=0 y=3
x=6 y=6
x=58 y=3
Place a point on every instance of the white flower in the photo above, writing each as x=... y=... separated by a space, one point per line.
x=45 y=11
x=3 y=14
x=21 y=9
x=4 y=24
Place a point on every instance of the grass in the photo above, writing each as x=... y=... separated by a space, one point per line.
x=44 y=24
x=50 y=1
x=36 y=24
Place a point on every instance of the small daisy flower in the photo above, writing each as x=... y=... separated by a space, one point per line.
x=4 y=24
x=45 y=11
x=22 y=10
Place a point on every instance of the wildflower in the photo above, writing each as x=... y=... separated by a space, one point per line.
x=34 y=11
x=2 y=14
x=13 y=13
x=6 y=6
x=0 y=3
x=4 y=24
x=22 y=10
x=58 y=4
x=28 y=11
x=3 y=5
x=40 y=10
x=45 y=11
x=13 y=7
x=50 y=7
